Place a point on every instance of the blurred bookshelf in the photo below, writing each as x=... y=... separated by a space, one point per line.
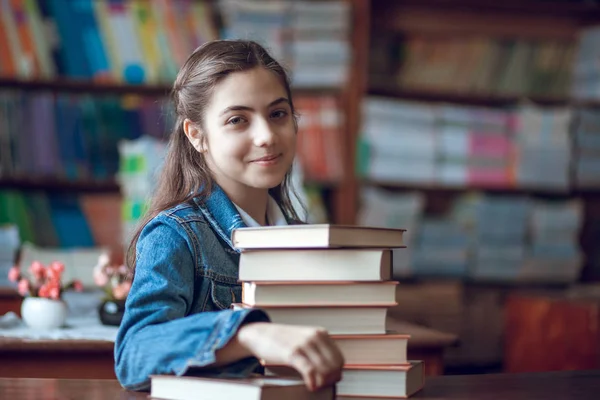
x=478 y=134
x=83 y=86
x=84 y=111
x=453 y=104
x=50 y=184
x=456 y=188
x=581 y=10
x=487 y=100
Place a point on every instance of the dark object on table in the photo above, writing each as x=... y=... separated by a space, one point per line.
x=111 y=312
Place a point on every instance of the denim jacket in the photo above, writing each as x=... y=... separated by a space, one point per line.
x=178 y=314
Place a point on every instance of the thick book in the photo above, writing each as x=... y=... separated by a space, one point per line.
x=385 y=349
x=337 y=320
x=316 y=265
x=370 y=381
x=395 y=381
x=171 y=387
x=259 y=294
x=316 y=236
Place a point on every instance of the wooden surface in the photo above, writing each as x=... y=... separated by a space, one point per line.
x=89 y=359
x=10 y=301
x=67 y=389
x=566 y=385
x=581 y=385
x=58 y=359
x=425 y=344
x=544 y=333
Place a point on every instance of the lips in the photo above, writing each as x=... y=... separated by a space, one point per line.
x=267 y=158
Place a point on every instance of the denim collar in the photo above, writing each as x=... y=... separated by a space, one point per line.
x=221 y=214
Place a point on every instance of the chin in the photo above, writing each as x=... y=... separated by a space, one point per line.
x=266 y=181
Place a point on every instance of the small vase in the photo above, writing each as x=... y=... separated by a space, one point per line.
x=42 y=313
x=111 y=312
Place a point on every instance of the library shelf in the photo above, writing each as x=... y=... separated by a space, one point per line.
x=580 y=10
x=440 y=188
x=81 y=86
x=481 y=282
x=477 y=99
x=52 y=184
x=98 y=87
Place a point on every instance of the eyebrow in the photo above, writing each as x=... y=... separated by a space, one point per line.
x=246 y=108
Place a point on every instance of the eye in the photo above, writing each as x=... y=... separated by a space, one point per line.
x=235 y=121
x=278 y=114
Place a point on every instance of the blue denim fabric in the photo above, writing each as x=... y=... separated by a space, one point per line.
x=178 y=312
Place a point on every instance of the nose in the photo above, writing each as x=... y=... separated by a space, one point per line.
x=264 y=133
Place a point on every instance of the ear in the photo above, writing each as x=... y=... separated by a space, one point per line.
x=194 y=135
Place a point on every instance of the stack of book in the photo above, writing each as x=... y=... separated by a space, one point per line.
x=338 y=278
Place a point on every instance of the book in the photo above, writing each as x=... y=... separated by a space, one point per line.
x=381 y=381
x=316 y=265
x=335 y=319
x=316 y=236
x=386 y=349
x=259 y=294
x=172 y=387
x=369 y=381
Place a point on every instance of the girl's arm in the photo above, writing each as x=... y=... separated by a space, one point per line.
x=156 y=335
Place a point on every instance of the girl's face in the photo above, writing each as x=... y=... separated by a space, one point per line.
x=250 y=137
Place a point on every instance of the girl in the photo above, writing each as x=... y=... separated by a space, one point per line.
x=228 y=166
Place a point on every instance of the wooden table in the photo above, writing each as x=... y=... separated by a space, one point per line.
x=59 y=359
x=65 y=389
x=565 y=385
x=425 y=344
x=10 y=301
x=581 y=385
x=83 y=359
x=551 y=333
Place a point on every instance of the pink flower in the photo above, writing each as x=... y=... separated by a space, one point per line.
x=53 y=275
x=37 y=270
x=53 y=289
x=23 y=287
x=44 y=291
x=58 y=267
x=14 y=273
x=123 y=270
x=77 y=285
x=54 y=292
x=121 y=290
x=103 y=261
x=100 y=278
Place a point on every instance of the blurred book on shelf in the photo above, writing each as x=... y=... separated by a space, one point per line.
x=310 y=38
x=473 y=64
x=496 y=238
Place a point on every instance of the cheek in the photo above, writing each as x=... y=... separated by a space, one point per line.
x=230 y=149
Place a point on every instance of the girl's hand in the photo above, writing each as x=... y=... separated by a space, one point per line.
x=309 y=350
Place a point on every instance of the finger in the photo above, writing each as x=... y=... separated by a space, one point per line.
x=323 y=357
x=331 y=353
x=301 y=363
x=330 y=359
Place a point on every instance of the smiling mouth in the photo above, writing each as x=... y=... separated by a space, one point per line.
x=267 y=159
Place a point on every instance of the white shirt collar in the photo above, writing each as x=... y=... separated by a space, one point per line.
x=274 y=214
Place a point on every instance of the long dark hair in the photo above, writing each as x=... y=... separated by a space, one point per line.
x=185 y=174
